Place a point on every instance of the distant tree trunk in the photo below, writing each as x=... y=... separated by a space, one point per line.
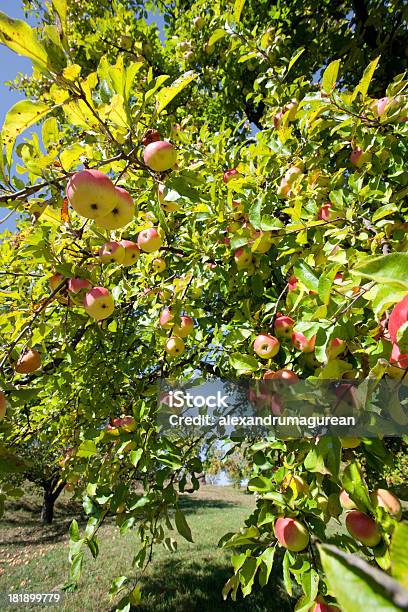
x=52 y=491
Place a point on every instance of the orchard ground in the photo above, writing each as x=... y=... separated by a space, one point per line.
x=33 y=558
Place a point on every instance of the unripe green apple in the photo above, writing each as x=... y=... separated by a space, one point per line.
x=174 y=346
x=266 y=346
x=262 y=242
x=122 y=212
x=112 y=252
x=283 y=326
x=243 y=258
x=345 y=501
x=385 y=499
x=91 y=193
x=159 y=265
x=149 y=240
x=99 y=303
x=132 y=252
x=185 y=328
x=291 y=534
x=28 y=362
x=363 y=528
x=160 y=156
x=3 y=405
x=292 y=107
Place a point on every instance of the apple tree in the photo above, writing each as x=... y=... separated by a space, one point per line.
x=230 y=202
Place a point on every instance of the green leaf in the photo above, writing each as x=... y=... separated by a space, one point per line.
x=330 y=76
x=364 y=84
x=135 y=456
x=247 y=575
x=359 y=586
x=261 y=484
x=324 y=458
x=216 y=36
x=74 y=531
x=87 y=448
x=286 y=573
x=76 y=566
x=166 y=95
x=182 y=526
x=266 y=565
x=295 y=59
x=399 y=553
x=60 y=6
x=243 y=362
x=238 y=6
x=19 y=37
x=306 y=275
x=390 y=269
x=354 y=484
x=21 y=116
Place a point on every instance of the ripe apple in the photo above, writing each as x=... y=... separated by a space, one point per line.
x=283 y=326
x=243 y=258
x=28 y=362
x=122 y=212
x=3 y=405
x=159 y=265
x=160 y=156
x=292 y=283
x=291 y=534
x=335 y=348
x=386 y=499
x=75 y=285
x=55 y=281
x=379 y=106
x=127 y=423
x=398 y=358
x=398 y=317
x=363 y=528
x=266 y=346
x=91 y=193
x=345 y=501
x=322 y=606
x=99 y=303
x=132 y=252
x=185 y=328
x=149 y=240
x=231 y=174
x=302 y=343
x=326 y=212
x=112 y=252
x=288 y=376
x=166 y=319
x=174 y=346
x=358 y=157
x=283 y=189
x=292 y=174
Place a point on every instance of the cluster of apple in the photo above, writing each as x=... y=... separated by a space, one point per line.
x=97 y=301
x=175 y=343
x=126 y=423
x=127 y=252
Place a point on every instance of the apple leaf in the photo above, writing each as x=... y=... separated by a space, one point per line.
x=166 y=95
x=238 y=6
x=305 y=274
x=21 y=38
x=182 y=526
x=243 y=362
x=87 y=448
x=391 y=269
x=330 y=76
x=399 y=553
x=20 y=117
x=364 y=84
x=216 y=36
x=359 y=586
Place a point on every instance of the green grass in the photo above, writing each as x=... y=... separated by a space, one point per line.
x=34 y=559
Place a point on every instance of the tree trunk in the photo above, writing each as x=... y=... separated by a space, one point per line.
x=47 y=510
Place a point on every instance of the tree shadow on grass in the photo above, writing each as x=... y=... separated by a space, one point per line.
x=190 y=505
x=192 y=586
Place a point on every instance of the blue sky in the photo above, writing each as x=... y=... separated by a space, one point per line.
x=11 y=64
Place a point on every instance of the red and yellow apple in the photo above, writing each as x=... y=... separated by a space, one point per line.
x=122 y=212
x=362 y=528
x=284 y=326
x=91 y=193
x=28 y=362
x=132 y=252
x=266 y=346
x=149 y=240
x=160 y=156
x=98 y=303
x=185 y=328
x=291 y=534
x=302 y=343
x=174 y=346
x=112 y=252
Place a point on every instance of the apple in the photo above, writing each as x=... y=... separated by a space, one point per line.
x=398 y=358
x=277 y=120
x=112 y=252
x=128 y=423
x=398 y=317
x=385 y=499
x=55 y=281
x=262 y=242
x=160 y=156
x=159 y=265
x=292 y=283
x=358 y=157
x=322 y=606
x=291 y=534
x=231 y=174
x=362 y=528
x=335 y=348
x=99 y=303
x=302 y=343
x=345 y=501
x=326 y=212
x=185 y=328
x=149 y=240
x=91 y=193
x=167 y=205
x=243 y=258
x=75 y=285
x=28 y=362
x=292 y=107
x=283 y=326
x=283 y=189
x=266 y=346
x=288 y=376
x=3 y=405
x=112 y=430
x=166 y=319
x=174 y=346
x=292 y=174
x=132 y=252
x=198 y=22
x=238 y=212
x=122 y=212
x=379 y=106
x=350 y=442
